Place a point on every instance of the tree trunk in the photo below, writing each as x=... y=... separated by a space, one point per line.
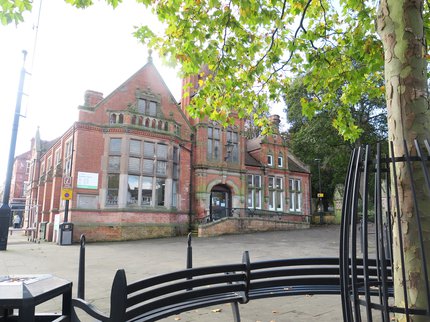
x=401 y=28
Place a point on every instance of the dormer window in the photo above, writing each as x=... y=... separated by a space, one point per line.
x=280 y=160
x=269 y=160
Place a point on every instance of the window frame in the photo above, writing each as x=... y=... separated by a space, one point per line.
x=280 y=160
x=254 y=191
x=296 y=195
x=270 y=160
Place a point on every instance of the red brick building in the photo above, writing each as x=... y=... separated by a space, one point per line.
x=18 y=185
x=134 y=165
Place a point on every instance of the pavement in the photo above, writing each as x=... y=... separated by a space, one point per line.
x=146 y=258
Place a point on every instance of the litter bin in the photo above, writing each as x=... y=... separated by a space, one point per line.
x=66 y=233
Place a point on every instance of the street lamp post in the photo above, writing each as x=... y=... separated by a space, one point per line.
x=320 y=195
x=5 y=211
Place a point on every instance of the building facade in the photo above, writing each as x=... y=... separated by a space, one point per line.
x=135 y=165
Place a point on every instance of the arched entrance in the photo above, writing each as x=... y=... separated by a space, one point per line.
x=220 y=203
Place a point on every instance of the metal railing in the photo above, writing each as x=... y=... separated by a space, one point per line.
x=374 y=183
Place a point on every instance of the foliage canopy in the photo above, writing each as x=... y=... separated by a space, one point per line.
x=255 y=48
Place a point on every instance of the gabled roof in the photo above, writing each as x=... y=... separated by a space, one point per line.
x=251 y=161
x=295 y=165
x=149 y=64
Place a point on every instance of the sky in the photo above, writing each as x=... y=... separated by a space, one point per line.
x=70 y=51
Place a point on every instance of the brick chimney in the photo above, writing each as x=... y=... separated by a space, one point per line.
x=92 y=98
x=275 y=120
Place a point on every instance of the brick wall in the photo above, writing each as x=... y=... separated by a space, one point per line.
x=247 y=225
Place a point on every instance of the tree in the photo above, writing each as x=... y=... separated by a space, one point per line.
x=315 y=137
x=253 y=48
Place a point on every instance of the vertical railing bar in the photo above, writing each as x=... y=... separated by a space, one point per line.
x=399 y=225
x=355 y=196
x=427 y=145
x=381 y=263
x=377 y=209
x=387 y=214
x=427 y=180
x=420 y=230
x=344 y=243
x=423 y=164
x=364 y=238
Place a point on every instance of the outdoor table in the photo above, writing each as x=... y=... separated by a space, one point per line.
x=25 y=292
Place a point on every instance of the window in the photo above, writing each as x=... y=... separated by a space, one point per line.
x=149 y=168
x=213 y=153
x=27 y=167
x=147 y=107
x=295 y=195
x=113 y=189
x=161 y=151
x=57 y=159
x=148 y=149
x=115 y=146
x=49 y=164
x=114 y=163
x=279 y=194
x=114 y=167
x=276 y=193
x=134 y=165
x=271 y=193
x=133 y=189
x=68 y=158
x=254 y=191
x=269 y=160
x=135 y=147
x=152 y=108
x=233 y=138
x=146 y=191
x=160 y=191
x=141 y=106
x=175 y=177
x=25 y=189
x=280 y=160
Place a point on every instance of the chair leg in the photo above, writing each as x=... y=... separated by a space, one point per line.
x=236 y=312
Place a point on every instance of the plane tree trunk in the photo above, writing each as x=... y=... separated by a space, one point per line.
x=400 y=26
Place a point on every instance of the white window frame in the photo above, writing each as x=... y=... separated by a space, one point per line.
x=295 y=195
x=254 y=191
x=270 y=160
x=280 y=161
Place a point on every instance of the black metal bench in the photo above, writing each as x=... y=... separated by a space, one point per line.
x=161 y=296
x=164 y=295
x=305 y=276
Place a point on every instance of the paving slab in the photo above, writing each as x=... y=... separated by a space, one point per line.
x=145 y=258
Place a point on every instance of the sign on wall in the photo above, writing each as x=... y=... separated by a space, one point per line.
x=88 y=180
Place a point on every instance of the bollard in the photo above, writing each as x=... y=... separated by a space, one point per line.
x=189 y=253
x=81 y=274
